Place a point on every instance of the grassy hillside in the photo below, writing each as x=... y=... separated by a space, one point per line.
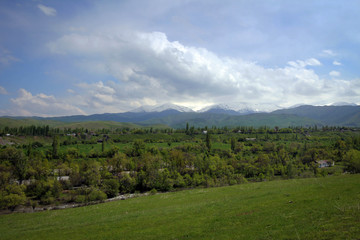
x=317 y=208
x=100 y=124
x=11 y=122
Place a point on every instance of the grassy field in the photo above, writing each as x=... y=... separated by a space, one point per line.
x=316 y=208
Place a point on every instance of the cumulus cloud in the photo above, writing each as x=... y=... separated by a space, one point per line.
x=48 y=11
x=334 y=74
x=150 y=67
x=3 y=91
x=27 y=104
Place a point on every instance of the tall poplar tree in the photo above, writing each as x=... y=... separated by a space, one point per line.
x=55 y=146
x=208 y=141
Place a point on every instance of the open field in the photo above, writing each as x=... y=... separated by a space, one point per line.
x=314 y=208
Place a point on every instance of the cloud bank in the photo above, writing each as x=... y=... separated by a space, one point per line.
x=42 y=105
x=147 y=67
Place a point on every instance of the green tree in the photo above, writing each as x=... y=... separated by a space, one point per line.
x=352 y=160
x=12 y=196
x=110 y=187
x=208 y=141
x=55 y=146
x=91 y=173
x=18 y=161
x=103 y=145
x=233 y=144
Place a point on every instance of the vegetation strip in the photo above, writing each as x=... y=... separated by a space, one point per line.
x=43 y=167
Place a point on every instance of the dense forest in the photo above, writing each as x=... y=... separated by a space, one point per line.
x=40 y=165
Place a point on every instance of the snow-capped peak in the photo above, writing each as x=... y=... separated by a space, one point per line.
x=343 y=104
x=162 y=107
x=242 y=108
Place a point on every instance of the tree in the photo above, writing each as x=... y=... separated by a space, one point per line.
x=110 y=187
x=18 y=160
x=233 y=144
x=208 y=141
x=91 y=173
x=12 y=196
x=103 y=145
x=138 y=148
x=55 y=146
x=352 y=160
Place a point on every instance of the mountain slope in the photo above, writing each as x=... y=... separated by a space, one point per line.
x=327 y=115
x=222 y=120
x=161 y=108
x=240 y=108
x=299 y=116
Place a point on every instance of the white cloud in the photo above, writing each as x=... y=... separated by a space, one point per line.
x=41 y=105
x=6 y=58
x=48 y=11
x=336 y=63
x=334 y=74
x=328 y=53
x=302 y=64
x=149 y=67
x=3 y=91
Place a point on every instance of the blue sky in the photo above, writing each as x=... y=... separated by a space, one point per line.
x=83 y=57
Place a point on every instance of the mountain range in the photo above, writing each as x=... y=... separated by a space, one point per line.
x=234 y=114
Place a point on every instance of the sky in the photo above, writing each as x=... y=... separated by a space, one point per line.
x=65 y=57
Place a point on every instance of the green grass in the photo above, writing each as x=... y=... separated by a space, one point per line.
x=317 y=208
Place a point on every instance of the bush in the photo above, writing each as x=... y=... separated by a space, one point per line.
x=12 y=196
x=352 y=159
x=47 y=200
x=80 y=199
x=89 y=195
x=96 y=195
x=127 y=183
x=153 y=191
x=110 y=187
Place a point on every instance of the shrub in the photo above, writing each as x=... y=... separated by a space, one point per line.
x=352 y=159
x=153 y=191
x=110 y=187
x=96 y=195
x=12 y=196
x=80 y=199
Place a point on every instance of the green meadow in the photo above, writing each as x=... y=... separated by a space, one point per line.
x=312 y=208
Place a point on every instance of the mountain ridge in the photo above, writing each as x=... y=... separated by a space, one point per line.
x=305 y=115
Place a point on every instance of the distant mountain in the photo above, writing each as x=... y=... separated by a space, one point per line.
x=221 y=120
x=134 y=117
x=240 y=108
x=343 y=104
x=327 y=115
x=220 y=115
x=161 y=108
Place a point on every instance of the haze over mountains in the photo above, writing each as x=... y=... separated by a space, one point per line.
x=231 y=115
